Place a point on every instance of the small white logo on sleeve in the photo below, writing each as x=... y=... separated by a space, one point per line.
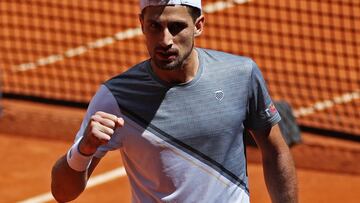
x=271 y=110
x=219 y=95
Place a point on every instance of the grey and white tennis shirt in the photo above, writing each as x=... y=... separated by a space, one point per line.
x=184 y=143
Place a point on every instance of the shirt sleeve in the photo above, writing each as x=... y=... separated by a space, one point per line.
x=104 y=101
x=261 y=111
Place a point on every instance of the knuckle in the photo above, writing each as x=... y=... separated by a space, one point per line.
x=114 y=118
x=111 y=131
x=93 y=124
x=95 y=117
x=108 y=123
x=104 y=138
x=99 y=113
x=121 y=122
x=94 y=132
x=112 y=124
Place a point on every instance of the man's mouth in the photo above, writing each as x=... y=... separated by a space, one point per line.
x=166 y=55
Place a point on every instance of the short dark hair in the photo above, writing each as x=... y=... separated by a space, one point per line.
x=194 y=12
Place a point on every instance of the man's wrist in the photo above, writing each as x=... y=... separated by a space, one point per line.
x=77 y=160
x=85 y=151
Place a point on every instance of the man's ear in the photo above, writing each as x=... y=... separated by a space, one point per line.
x=199 y=25
x=141 y=19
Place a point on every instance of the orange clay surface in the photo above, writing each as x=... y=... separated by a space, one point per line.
x=328 y=169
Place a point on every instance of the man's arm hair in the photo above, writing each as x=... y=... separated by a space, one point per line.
x=66 y=183
x=278 y=165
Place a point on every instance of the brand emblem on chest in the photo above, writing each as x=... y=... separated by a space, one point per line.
x=219 y=95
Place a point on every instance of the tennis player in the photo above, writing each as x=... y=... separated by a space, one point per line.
x=178 y=120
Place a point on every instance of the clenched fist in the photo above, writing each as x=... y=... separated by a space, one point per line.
x=99 y=131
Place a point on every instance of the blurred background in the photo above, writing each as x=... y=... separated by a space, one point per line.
x=55 y=54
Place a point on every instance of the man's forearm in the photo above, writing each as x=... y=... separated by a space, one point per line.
x=280 y=177
x=66 y=183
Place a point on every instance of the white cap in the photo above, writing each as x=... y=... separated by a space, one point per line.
x=146 y=3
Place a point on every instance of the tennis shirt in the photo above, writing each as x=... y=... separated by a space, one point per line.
x=184 y=143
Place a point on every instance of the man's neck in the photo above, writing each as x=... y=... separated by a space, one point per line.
x=182 y=75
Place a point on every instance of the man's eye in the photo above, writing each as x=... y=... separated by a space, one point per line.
x=175 y=28
x=154 y=26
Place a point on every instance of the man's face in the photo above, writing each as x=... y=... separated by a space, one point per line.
x=169 y=32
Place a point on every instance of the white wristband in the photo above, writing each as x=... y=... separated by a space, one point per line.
x=76 y=160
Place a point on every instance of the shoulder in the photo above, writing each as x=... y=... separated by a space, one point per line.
x=219 y=62
x=215 y=56
x=136 y=71
x=130 y=77
x=103 y=100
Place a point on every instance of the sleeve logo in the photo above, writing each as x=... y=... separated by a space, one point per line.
x=271 y=110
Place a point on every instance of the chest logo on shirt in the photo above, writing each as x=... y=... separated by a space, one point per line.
x=219 y=95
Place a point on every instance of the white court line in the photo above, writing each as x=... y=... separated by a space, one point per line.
x=326 y=104
x=94 y=181
x=102 y=42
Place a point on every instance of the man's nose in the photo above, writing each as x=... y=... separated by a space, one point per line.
x=166 y=38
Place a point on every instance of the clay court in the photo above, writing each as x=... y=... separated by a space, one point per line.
x=55 y=55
